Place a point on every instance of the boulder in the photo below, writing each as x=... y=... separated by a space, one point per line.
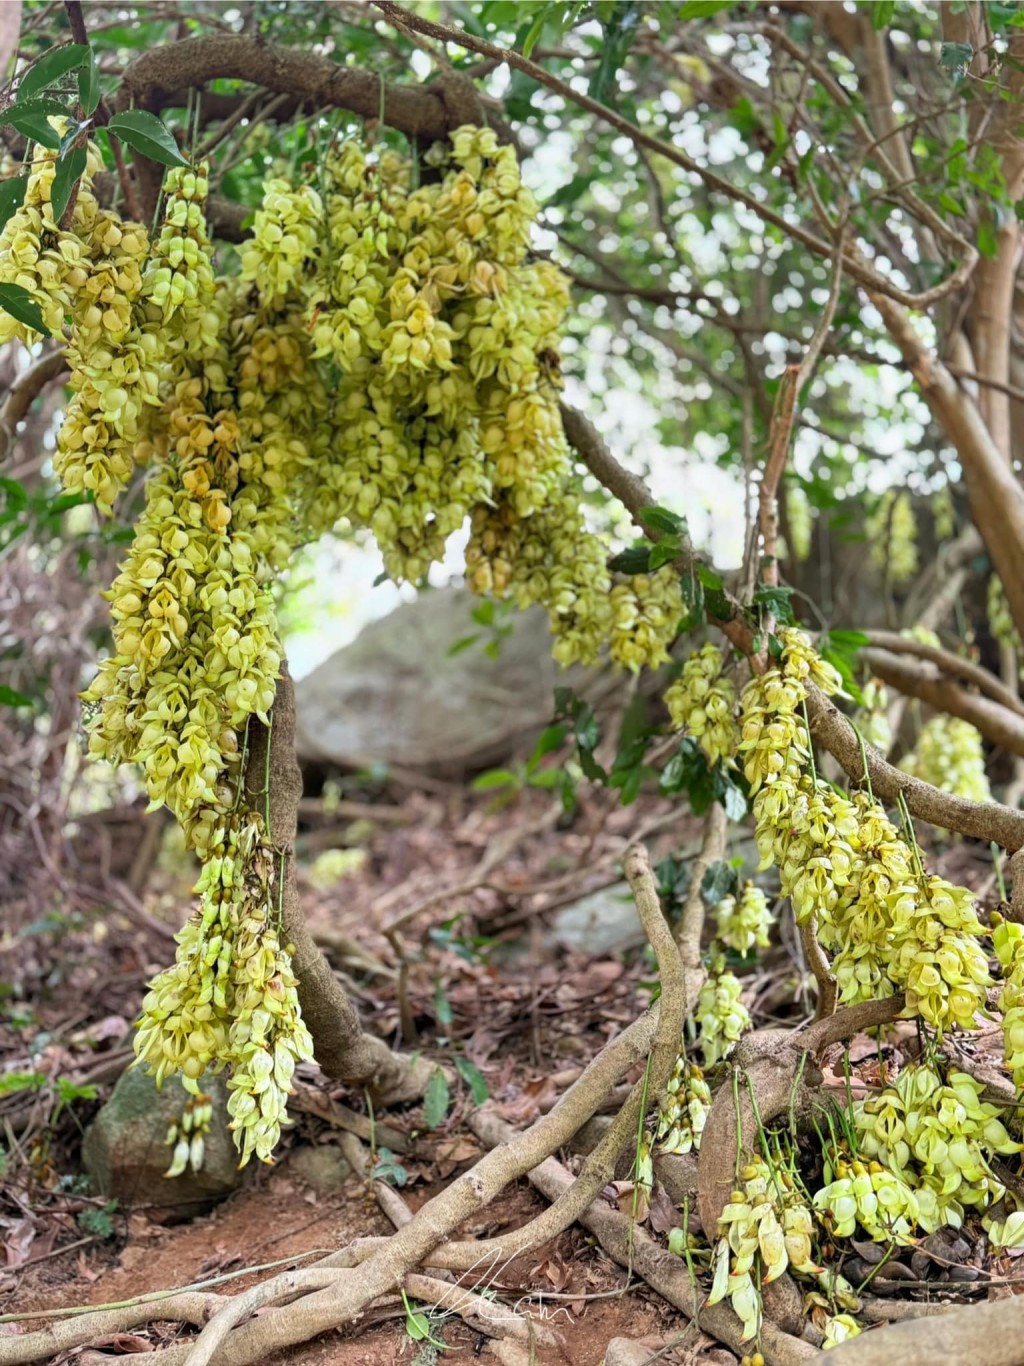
x=399 y=696
x=125 y=1153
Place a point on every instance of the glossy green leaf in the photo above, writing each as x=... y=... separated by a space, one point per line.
x=68 y=173
x=144 y=133
x=436 y=1100
x=19 y=303
x=12 y=196
x=89 y=84
x=50 y=67
x=31 y=118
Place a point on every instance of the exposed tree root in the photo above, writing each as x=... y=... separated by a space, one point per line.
x=337 y=1289
x=984 y=1334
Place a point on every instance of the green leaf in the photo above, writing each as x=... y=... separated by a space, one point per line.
x=442 y=1006
x=12 y=196
x=709 y=578
x=661 y=519
x=144 y=133
x=702 y=9
x=50 y=67
x=463 y=644
x=550 y=739
x=776 y=600
x=719 y=881
x=70 y=136
x=474 y=1079
x=635 y=560
x=494 y=778
x=664 y=553
x=882 y=12
x=89 y=84
x=956 y=57
x=19 y=303
x=66 y=176
x=436 y=1100
x=10 y=698
x=17 y=495
x=31 y=119
x=988 y=239
x=12 y=1082
x=587 y=730
x=735 y=802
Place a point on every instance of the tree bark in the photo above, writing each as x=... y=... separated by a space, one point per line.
x=343 y=1050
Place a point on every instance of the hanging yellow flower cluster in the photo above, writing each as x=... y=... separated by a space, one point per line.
x=764 y=1229
x=231 y=997
x=926 y=1141
x=381 y=352
x=702 y=702
x=892 y=537
x=950 y=755
x=684 y=1109
x=845 y=865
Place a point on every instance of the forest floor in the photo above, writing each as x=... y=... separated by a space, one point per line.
x=473 y=973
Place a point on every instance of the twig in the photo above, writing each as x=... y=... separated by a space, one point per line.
x=819 y=965
x=781 y=430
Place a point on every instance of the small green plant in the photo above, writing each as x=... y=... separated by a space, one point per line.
x=99 y=1221
x=417 y=1324
x=388 y=1169
x=494 y=619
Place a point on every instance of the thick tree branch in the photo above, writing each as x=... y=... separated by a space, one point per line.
x=23 y=393
x=980 y=820
x=427 y=112
x=996 y=496
x=922 y=680
x=343 y=1050
x=948 y=663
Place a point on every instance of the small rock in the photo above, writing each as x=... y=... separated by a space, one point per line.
x=623 y=1352
x=323 y=1169
x=125 y=1153
x=602 y=923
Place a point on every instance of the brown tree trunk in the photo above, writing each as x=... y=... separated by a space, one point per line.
x=343 y=1050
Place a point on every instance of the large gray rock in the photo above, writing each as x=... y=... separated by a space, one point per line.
x=125 y=1153
x=397 y=695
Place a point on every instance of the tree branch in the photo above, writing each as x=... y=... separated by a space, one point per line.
x=996 y=497
x=428 y=111
x=949 y=663
x=980 y=820
x=23 y=393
